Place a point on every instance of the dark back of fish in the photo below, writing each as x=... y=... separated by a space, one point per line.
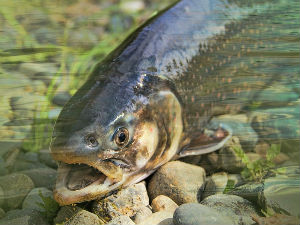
x=221 y=56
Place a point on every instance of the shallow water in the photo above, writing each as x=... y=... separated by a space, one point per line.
x=48 y=48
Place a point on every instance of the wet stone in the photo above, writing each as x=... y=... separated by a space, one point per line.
x=196 y=214
x=24 y=106
x=3 y=169
x=236 y=179
x=121 y=220
x=42 y=177
x=277 y=219
x=127 y=202
x=238 y=209
x=21 y=165
x=2 y=196
x=2 y=213
x=161 y=203
x=11 y=158
x=132 y=6
x=46 y=158
x=142 y=214
x=34 y=200
x=215 y=184
x=179 y=181
x=230 y=161
x=248 y=191
x=83 y=217
x=15 y=187
x=40 y=71
x=158 y=218
x=61 y=98
x=31 y=157
x=65 y=213
x=23 y=217
x=281 y=191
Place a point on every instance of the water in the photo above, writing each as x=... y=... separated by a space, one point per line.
x=47 y=49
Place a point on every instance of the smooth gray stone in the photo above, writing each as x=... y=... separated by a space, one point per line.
x=238 y=209
x=195 y=214
x=248 y=191
x=23 y=217
x=36 y=200
x=42 y=177
x=282 y=192
x=15 y=188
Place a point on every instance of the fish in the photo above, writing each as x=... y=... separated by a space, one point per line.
x=153 y=98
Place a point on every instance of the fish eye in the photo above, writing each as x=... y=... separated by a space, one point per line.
x=91 y=141
x=121 y=137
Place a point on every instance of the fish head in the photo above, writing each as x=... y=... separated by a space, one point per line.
x=106 y=137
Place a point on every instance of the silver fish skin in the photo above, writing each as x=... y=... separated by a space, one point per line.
x=150 y=101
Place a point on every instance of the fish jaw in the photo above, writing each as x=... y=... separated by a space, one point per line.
x=78 y=183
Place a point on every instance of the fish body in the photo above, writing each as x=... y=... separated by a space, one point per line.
x=151 y=100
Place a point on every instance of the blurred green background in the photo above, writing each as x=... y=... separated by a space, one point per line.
x=47 y=49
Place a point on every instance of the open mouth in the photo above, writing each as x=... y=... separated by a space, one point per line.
x=81 y=176
x=81 y=182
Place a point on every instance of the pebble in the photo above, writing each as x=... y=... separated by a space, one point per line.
x=1 y=197
x=65 y=213
x=121 y=220
x=46 y=158
x=132 y=6
x=15 y=188
x=83 y=217
x=34 y=200
x=230 y=161
x=157 y=218
x=163 y=203
x=40 y=71
x=24 y=106
x=142 y=214
x=179 y=181
x=127 y=201
x=281 y=191
x=215 y=184
x=42 y=177
x=2 y=213
x=248 y=191
x=196 y=214
x=238 y=209
x=23 y=217
x=61 y=98
x=3 y=169
x=236 y=179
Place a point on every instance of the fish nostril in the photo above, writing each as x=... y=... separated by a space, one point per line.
x=91 y=141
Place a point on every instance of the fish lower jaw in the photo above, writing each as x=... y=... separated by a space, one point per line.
x=78 y=183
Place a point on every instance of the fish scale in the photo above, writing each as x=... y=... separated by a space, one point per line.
x=162 y=86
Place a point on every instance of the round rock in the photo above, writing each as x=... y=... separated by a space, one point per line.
x=15 y=188
x=34 y=200
x=127 y=201
x=158 y=218
x=195 y=214
x=182 y=182
x=238 y=209
x=161 y=203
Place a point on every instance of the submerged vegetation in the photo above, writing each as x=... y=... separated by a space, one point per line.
x=256 y=170
x=71 y=36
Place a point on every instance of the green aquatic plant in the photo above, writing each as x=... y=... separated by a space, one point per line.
x=256 y=170
x=49 y=205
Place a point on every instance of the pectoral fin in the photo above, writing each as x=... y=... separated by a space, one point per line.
x=211 y=139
